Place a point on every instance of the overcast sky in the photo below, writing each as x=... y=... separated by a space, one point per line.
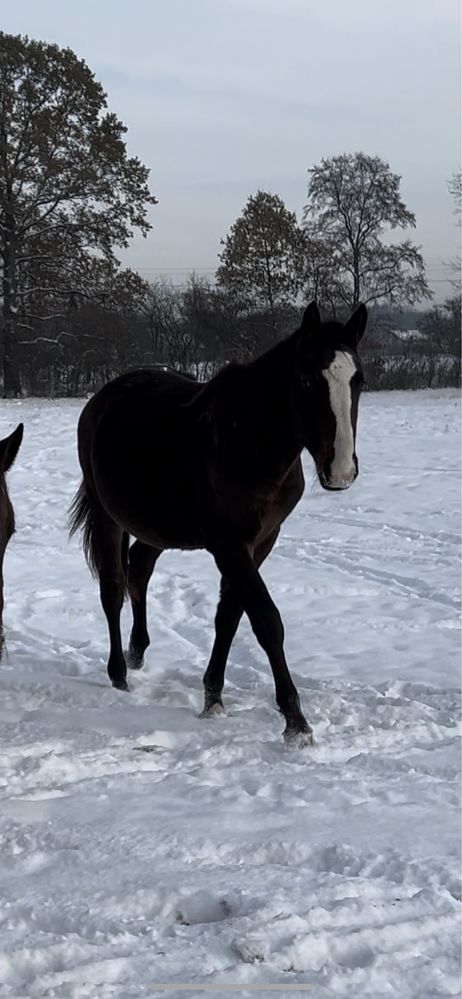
x=222 y=97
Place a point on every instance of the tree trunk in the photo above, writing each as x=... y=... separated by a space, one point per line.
x=356 y=282
x=11 y=383
x=269 y=288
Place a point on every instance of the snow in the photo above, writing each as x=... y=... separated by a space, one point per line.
x=142 y=846
x=409 y=334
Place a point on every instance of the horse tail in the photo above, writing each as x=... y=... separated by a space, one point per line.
x=81 y=516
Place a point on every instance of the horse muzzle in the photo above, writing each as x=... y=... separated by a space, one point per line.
x=334 y=480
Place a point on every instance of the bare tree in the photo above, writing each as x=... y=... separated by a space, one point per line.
x=455 y=190
x=353 y=203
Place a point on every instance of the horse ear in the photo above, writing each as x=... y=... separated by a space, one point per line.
x=311 y=318
x=353 y=330
x=9 y=448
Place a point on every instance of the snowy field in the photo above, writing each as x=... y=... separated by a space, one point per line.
x=141 y=846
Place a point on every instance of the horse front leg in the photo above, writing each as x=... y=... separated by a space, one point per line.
x=2 y=633
x=237 y=566
x=229 y=613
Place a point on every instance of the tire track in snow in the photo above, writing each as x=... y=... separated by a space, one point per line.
x=441 y=537
x=410 y=586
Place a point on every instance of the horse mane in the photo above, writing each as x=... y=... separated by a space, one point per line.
x=230 y=403
x=217 y=403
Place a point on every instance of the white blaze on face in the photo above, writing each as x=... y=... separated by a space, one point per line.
x=338 y=376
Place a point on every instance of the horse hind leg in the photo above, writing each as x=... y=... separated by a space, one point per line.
x=106 y=544
x=141 y=561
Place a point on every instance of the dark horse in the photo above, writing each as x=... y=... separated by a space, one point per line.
x=177 y=464
x=9 y=448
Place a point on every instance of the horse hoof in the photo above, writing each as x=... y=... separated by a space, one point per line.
x=215 y=710
x=133 y=661
x=298 y=740
x=120 y=684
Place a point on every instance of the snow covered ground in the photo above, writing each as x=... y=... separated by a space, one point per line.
x=141 y=846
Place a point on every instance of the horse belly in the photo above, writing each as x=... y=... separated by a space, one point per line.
x=163 y=518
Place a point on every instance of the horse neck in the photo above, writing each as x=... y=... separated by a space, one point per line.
x=269 y=389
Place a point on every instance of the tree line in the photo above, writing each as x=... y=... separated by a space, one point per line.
x=71 y=196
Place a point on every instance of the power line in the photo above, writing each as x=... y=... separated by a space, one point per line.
x=179 y=270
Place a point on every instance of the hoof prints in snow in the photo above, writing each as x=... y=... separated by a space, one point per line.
x=140 y=844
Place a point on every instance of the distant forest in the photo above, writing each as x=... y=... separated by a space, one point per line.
x=194 y=329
